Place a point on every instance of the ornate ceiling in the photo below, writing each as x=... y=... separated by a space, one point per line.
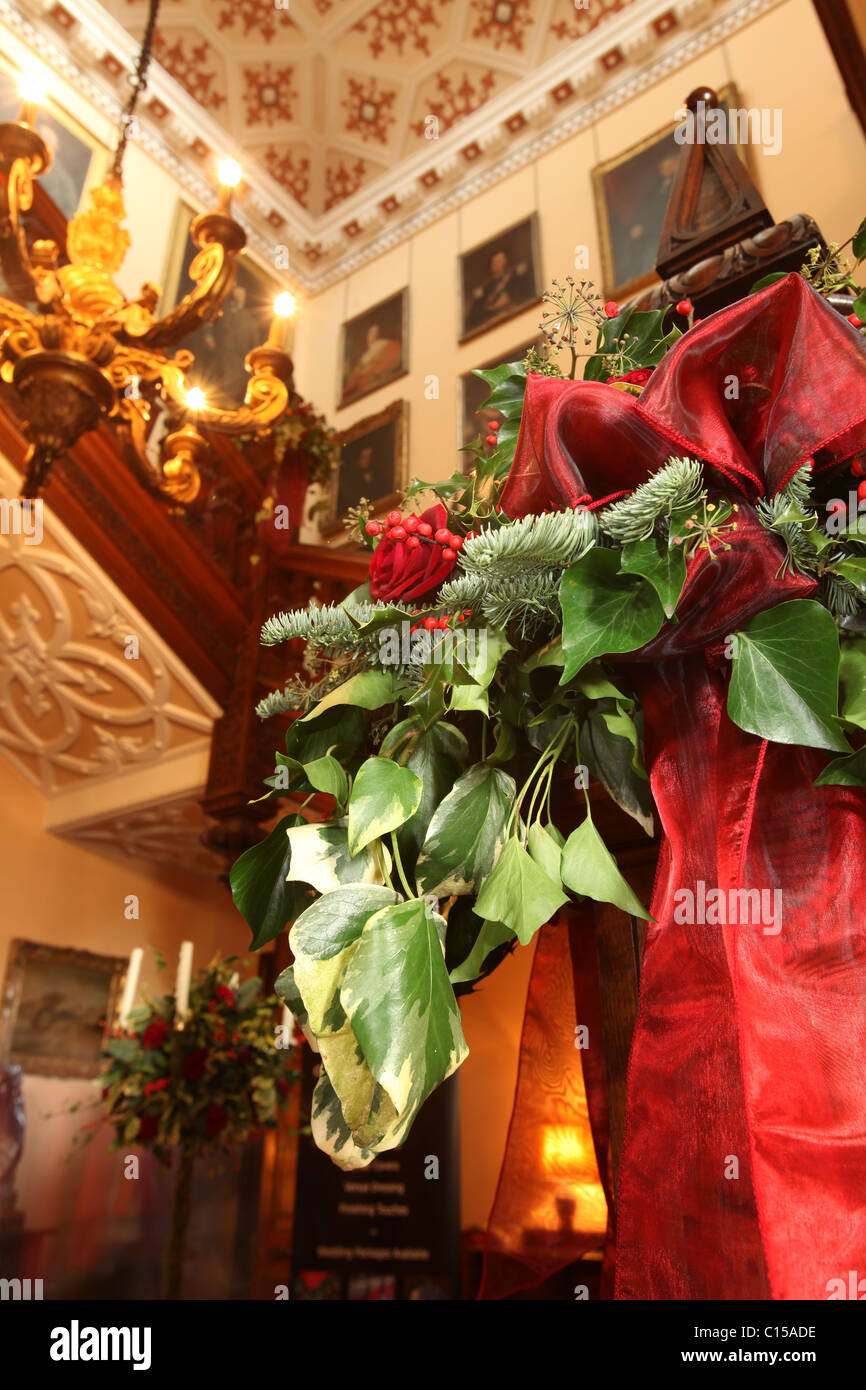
x=359 y=121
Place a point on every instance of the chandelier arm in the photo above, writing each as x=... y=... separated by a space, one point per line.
x=23 y=156
x=267 y=397
x=213 y=270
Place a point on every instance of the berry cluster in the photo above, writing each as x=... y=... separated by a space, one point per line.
x=415 y=532
x=441 y=624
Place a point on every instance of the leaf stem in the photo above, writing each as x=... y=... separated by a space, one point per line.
x=399 y=862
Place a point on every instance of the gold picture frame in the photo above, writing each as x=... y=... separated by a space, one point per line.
x=57 y=1003
x=642 y=206
x=386 y=436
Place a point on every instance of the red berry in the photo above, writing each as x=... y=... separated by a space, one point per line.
x=611 y=308
x=456 y=542
x=495 y=425
x=470 y=535
x=411 y=522
x=424 y=528
x=685 y=307
x=836 y=507
x=852 y=318
x=394 y=518
x=398 y=533
x=431 y=624
x=442 y=536
x=861 y=492
x=412 y=543
x=372 y=528
x=444 y=622
x=449 y=554
x=491 y=439
x=858 y=467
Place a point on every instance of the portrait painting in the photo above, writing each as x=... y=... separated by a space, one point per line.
x=57 y=1002
x=221 y=346
x=374 y=348
x=499 y=278
x=631 y=199
x=372 y=458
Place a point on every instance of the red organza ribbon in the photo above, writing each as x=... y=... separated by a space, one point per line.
x=744 y=1162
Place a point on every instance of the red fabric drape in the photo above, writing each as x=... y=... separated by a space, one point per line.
x=744 y=1161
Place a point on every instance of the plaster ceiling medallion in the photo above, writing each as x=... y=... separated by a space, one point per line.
x=348 y=114
x=170 y=834
x=88 y=692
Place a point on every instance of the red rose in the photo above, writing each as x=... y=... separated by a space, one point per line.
x=639 y=377
x=155 y=1034
x=147 y=1127
x=215 y=1119
x=398 y=571
x=193 y=1065
x=226 y=995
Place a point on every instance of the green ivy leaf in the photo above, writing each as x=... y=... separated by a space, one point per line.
x=608 y=752
x=766 y=280
x=384 y=796
x=491 y=935
x=545 y=849
x=588 y=867
x=852 y=681
x=785 y=676
x=401 y=1005
x=466 y=832
x=859 y=242
x=338 y=731
x=326 y=775
x=366 y=690
x=604 y=611
x=662 y=565
x=438 y=756
x=519 y=894
x=264 y=898
x=845 y=772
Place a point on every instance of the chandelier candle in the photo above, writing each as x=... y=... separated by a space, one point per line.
x=181 y=984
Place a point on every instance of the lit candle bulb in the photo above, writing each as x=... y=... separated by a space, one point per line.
x=182 y=980
x=229 y=173
x=32 y=94
x=284 y=307
x=133 y=970
x=195 y=398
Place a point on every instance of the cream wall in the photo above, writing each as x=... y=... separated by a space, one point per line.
x=782 y=60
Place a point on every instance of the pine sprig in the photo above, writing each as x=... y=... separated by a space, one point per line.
x=788 y=514
x=297 y=695
x=677 y=486
x=325 y=626
x=534 y=544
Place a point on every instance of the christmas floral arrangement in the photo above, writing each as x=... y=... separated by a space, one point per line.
x=691 y=503
x=206 y=1086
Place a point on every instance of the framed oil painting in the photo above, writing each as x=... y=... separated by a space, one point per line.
x=473 y=392
x=374 y=348
x=56 y=1004
x=372 y=462
x=220 y=347
x=499 y=278
x=77 y=160
x=631 y=198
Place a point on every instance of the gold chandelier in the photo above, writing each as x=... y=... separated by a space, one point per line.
x=72 y=358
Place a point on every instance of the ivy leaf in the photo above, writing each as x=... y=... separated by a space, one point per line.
x=766 y=280
x=401 y=1005
x=852 y=682
x=608 y=753
x=326 y=775
x=466 y=832
x=384 y=796
x=330 y=1132
x=859 y=307
x=481 y=657
x=785 y=674
x=437 y=758
x=662 y=565
x=604 y=611
x=320 y=856
x=588 y=867
x=366 y=690
x=548 y=655
x=491 y=935
x=545 y=850
x=858 y=244
x=519 y=894
x=338 y=731
x=323 y=941
x=264 y=898
x=845 y=772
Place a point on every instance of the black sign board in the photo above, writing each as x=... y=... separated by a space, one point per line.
x=387 y=1231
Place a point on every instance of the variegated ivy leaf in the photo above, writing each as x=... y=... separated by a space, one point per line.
x=323 y=941
x=286 y=989
x=466 y=833
x=401 y=1005
x=330 y=1132
x=437 y=756
x=320 y=856
x=519 y=894
x=384 y=796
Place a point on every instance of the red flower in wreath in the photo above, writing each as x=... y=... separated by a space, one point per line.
x=400 y=571
x=155 y=1034
x=148 y=1126
x=226 y=995
x=194 y=1064
x=216 y=1119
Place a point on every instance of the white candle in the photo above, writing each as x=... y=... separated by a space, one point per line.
x=181 y=984
x=288 y=1025
x=235 y=980
x=133 y=970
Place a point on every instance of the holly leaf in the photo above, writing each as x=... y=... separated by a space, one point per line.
x=589 y=868
x=264 y=898
x=384 y=796
x=785 y=676
x=845 y=772
x=853 y=568
x=604 y=611
x=519 y=894
x=466 y=832
x=401 y=1006
x=662 y=565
